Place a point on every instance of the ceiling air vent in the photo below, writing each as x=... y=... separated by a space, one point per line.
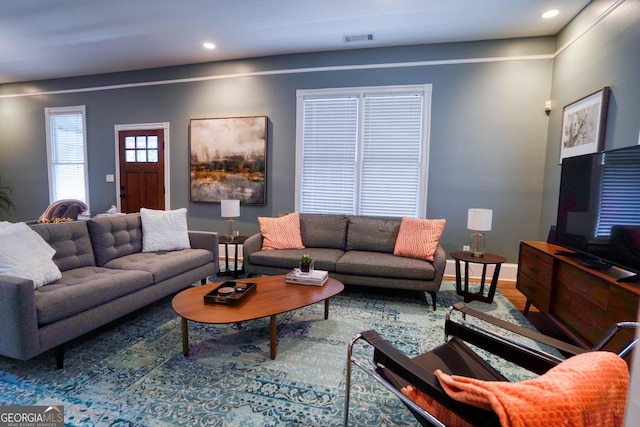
x=358 y=38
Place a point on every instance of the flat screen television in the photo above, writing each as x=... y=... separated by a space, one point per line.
x=599 y=209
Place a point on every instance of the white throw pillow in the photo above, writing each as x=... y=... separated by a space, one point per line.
x=164 y=230
x=25 y=254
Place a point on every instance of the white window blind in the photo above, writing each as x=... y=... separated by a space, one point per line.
x=620 y=185
x=363 y=151
x=66 y=150
x=329 y=155
x=391 y=155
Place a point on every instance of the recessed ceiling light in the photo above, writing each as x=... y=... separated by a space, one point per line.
x=550 y=13
x=208 y=45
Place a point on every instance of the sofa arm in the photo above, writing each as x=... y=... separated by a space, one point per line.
x=439 y=265
x=18 y=318
x=251 y=245
x=204 y=240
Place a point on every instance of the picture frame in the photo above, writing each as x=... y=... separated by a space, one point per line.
x=584 y=123
x=228 y=159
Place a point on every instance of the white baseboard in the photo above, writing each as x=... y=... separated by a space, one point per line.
x=508 y=272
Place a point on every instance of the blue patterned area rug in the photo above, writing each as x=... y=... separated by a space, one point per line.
x=132 y=371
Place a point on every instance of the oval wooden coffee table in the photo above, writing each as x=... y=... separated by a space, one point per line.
x=273 y=296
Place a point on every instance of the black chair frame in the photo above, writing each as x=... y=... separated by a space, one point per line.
x=393 y=369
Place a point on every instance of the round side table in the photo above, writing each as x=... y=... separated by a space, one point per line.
x=235 y=242
x=486 y=259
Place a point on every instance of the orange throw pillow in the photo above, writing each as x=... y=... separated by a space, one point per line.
x=281 y=233
x=418 y=238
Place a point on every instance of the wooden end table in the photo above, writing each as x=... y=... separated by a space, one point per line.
x=273 y=296
x=486 y=259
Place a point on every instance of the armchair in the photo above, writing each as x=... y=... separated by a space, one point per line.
x=441 y=376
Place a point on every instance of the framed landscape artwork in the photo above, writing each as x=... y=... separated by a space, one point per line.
x=228 y=159
x=583 y=124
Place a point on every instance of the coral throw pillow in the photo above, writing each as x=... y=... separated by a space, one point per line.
x=281 y=233
x=418 y=238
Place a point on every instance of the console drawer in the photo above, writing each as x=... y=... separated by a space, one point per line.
x=536 y=265
x=536 y=294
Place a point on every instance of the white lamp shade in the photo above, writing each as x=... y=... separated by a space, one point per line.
x=229 y=208
x=479 y=219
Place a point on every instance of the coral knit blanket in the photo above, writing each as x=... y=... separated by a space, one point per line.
x=589 y=389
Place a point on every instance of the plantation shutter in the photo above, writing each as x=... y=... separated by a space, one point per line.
x=329 y=155
x=391 y=155
x=619 y=188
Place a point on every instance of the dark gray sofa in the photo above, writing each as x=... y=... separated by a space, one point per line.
x=105 y=275
x=357 y=250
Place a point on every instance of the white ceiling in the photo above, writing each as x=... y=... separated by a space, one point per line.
x=42 y=39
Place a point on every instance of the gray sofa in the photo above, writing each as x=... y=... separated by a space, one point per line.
x=357 y=250
x=105 y=275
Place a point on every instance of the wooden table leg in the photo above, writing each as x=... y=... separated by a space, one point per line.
x=185 y=338
x=272 y=333
x=527 y=306
x=494 y=283
x=466 y=282
x=326 y=309
x=458 y=278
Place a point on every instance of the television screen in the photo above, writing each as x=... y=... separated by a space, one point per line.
x=599 y=208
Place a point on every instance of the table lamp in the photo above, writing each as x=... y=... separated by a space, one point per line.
x=478 y=220
x=230 y=209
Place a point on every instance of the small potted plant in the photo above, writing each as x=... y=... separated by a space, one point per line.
x=306 y=264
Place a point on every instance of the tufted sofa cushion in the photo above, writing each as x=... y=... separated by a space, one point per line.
x=71 y=242
x=163 y=265
x=115 y=236
x=83 y=288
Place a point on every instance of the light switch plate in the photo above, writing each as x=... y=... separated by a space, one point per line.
x=110 y=178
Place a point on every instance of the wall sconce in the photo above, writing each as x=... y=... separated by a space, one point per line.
x=478 y=220
x=230 y=209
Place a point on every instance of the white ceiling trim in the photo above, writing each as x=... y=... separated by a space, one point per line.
x=589 y=27
x=290 y=71
x=558 y=52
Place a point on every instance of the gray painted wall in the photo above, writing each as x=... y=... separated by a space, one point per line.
x=488 y=127
x=605 y=56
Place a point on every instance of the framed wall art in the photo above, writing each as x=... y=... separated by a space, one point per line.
x=228 y=159
x=583 y=124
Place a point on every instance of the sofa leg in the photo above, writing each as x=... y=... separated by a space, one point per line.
x=433 y=299
x=59 y=351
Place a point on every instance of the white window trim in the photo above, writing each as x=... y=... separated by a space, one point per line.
x=424 y=89
x=48 y=112
x=167 y=166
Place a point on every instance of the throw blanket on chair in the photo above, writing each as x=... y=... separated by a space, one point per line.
x=589 y=389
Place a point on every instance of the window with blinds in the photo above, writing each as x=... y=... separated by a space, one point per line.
x=619 y=189
x=66 y=153
x=363 y=150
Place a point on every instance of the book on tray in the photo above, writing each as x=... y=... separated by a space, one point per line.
x=315 y=278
